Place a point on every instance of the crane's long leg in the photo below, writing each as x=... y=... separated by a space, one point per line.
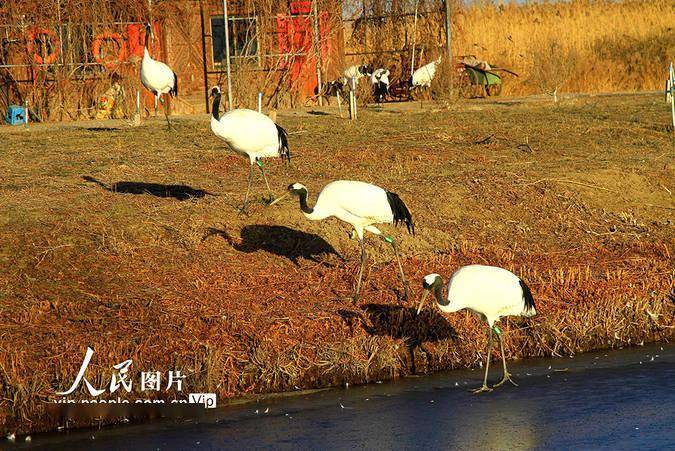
x=406 y=286
x=166 y=114
x=156 y=101
x=507 y=375
x=260 y=165
x=363 y=264
x=487 y=364
x=250 y=179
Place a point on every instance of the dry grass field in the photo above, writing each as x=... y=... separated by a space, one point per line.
x=129 y=240
x=589 y=46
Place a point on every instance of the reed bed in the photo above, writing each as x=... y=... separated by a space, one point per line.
x=600 y=46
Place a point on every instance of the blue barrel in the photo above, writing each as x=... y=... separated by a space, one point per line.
x=16 y=114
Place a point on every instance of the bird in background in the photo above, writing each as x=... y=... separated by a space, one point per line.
x=380 y=82
x=356 y=72
x=362 y=205
x=252 y=135
x=157 y=77
x=488 y=291
x=423 y=76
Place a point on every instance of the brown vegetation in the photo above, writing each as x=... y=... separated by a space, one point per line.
x=618 y=46
x=129 y=241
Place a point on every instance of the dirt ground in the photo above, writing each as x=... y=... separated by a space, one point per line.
x=129 y=240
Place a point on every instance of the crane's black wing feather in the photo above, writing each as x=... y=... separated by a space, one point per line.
x=284 y=151
x=400 y=212
x=527 y=296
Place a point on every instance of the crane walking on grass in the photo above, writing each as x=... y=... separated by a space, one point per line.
x=361 y=205
x=488 y=291
x=250 y=134
x=157 y=77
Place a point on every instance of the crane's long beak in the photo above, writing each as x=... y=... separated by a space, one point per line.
x=278 y=199
x=424 y=296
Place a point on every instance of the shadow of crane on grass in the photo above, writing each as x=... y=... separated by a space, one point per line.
x=403 y=323
x=178 y=192
x=279 y=240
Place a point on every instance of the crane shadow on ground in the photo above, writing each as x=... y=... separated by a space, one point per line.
x=178 y=192
x=279 y=240
x=401 y=322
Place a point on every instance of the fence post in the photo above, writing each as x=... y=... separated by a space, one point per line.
x=227 y=55
x=260 y=94
x=448 y=42
x=352 y=99
x=339 y=101
x=671 y=78
x=317 y=50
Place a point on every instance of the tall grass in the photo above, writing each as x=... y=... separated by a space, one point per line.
x=617 y=45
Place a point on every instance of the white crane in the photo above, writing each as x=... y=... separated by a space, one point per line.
x=361 y=205
x=423 y=76
x=157 y=77
x=380 y=81
x=489 y=292
x=356 y=72
x=250 y=134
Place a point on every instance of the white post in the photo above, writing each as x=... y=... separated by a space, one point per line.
x=414 y=36
x=339 y=103
x=26 y=113
x=354 y=84
x=260 y=102
x=138 y=102
x=227 y=56
x=671 y=77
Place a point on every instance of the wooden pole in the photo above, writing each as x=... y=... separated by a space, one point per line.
x=414 y=37
x=671 y=76
x=260 y=94
x=317 y=50
x=227 y=56
x=204 y=66
x=339 y=101
x=448 y=41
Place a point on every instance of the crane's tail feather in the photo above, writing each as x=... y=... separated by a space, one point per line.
x=400 y=212
x=528 y=299
x=174 y=90
x=284 y=151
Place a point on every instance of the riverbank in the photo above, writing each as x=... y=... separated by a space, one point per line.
x=558 y=404
x=128 y=240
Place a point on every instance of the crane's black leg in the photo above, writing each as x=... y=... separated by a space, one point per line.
x=166 y=114
x=507 y=375
x=156 y=101
x=406 y=286
x=260 y=165
x=487 y=364
x=363 y=264
x=250 y=179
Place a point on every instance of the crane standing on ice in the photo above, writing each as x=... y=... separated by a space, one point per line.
x=488 y=291
x=361 y=205
x=157 y=77
x=250 y=134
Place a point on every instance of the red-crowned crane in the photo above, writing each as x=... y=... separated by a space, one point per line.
x=380 y=81
x=490 y=293
x=423 y=76
x=157 y=77
x=361 y=205
x=250 y=134
x=356 y=72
